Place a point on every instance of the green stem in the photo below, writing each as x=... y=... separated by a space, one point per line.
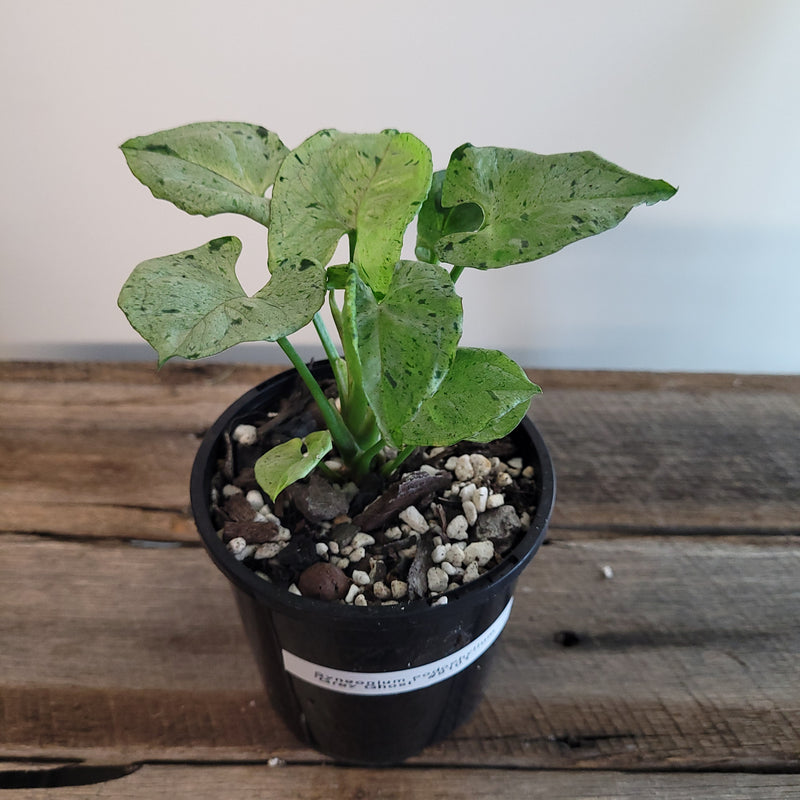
x=342 y=437
x=390 y=466
x=365 y=459
x=337 y=363
x=455 y=273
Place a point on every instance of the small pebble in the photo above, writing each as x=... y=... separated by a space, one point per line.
x=255 y=499
x=360 y=600
x=437 y=579
x=464 y=469
x=470 y=512
x=495 y=500
x=245 y=434
x=439 y=601
x=467 y=492
x=450 y=464
x=608 y=572
x=457 y=528
x=528 y=472
x=480 y=498
x=504 y=479
x=357 y=554
x=515 y=465
x=381 y=591
x=480 y=465
x=362 y=540
x=455 y=556
x=236 y=545
x=393 y=533
x=268 y=550
x=323 y=581
x=480 y=552
x=229 y=490
x=399 y=589
x=293 y=589
x=451 y=569
x=412 y=517
x=438 y=554
x=352 y=593
x=360 y=577
x=471 y=572
x=322 y=549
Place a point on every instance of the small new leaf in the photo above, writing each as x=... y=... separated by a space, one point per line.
x=191 y=304
x=291 y=461
x=209 y=167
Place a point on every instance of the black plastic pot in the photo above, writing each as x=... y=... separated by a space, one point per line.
x=377 y=684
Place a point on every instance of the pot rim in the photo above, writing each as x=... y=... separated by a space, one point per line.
x=296 y=605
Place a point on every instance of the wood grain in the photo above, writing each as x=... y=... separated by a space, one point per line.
x=110 y=446
x=325 y=782
x=686 y=657
x=678 y=676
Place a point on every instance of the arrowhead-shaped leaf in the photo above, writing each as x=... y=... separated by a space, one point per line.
x=406 y=341
x=369 y=186
x=483 y=397
x=533 y=205
x=209 y=167
x=289 y=462
x=191 y=304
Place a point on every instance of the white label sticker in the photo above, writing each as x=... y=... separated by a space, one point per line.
x=401 y=680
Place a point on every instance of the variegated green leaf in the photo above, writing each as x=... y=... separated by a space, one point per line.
x=483 y=397
x=209 y=167
x=533 y=204
x=405 y=342
x=367 y=186
x=191 y=304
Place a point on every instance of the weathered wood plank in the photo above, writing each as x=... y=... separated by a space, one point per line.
x=110 y=446
x=325 y=782
x=686 y=658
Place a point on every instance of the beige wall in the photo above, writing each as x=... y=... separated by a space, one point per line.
x=703 y=94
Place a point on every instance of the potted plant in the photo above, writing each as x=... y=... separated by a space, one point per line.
x=374 y=511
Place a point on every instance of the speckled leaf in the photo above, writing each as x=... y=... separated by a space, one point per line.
x=291 y=461
x=434 y=221
x=534 y=204
x=483 y=397
x=191 y=304
x=406 y=341
x=336 y=183
x=209 y=167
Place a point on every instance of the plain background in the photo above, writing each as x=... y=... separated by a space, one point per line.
x=702 y=94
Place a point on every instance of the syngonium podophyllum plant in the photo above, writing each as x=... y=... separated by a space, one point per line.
x=402 y=378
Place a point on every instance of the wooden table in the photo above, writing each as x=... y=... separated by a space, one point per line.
x=653 y=651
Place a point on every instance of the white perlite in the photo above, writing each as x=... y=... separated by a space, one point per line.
x=255 y=499
x=481 y=465
x=437 y=579
x=399 y=589
x=439 y=553
x=480 y=552
x=362 y=540
x=245 y=434
x=268 y=550
x=360 y=577
x=457 y=528
x=464 y=469
x=470 y=512
x=412 y=517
